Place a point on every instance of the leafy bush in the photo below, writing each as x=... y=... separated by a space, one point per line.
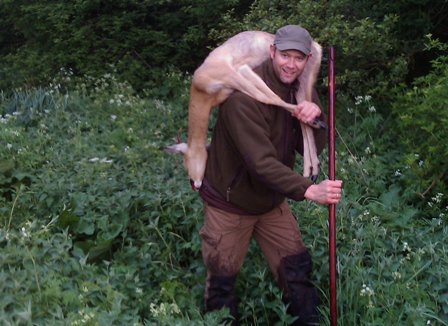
x=142 y=39
x=421 y=118
x=373 y=39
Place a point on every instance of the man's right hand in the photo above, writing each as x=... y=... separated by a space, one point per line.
x=325 y=193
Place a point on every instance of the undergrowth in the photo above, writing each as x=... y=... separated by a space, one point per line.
x=98 y=226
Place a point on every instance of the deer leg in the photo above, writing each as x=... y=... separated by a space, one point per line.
x=311 y=163
x=195 y=158
x=247 y=81
x=307 y=80
x=307 y=168
x=256 y=88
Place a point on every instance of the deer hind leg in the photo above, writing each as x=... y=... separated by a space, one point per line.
x=310 y=160
x=248 y=82
x=307 y=80
x=254 y=86
x=307 y=167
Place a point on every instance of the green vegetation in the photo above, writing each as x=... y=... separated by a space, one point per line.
x=142 y=39
x=98 y=226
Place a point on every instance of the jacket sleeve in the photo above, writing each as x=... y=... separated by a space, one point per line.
x=249 y=131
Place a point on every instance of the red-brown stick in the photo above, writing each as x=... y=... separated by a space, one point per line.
x=332 y=175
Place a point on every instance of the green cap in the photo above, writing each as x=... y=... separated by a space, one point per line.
x=293 y=37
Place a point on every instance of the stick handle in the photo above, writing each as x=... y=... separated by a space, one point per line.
x=332 y=175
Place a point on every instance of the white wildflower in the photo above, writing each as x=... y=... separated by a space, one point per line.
x=437 y=198
x=396 y=275
x=398 y=173
x=24 y=232
x=372 y=109
x=406 y=246
x=366 y=291
x=113 y=117
x=164 y=309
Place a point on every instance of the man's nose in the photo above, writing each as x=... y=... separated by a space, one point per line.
x=290 y=63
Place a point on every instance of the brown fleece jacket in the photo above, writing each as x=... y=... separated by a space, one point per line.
x=252 y=153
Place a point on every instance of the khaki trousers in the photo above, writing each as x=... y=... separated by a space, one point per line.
x=226 y=238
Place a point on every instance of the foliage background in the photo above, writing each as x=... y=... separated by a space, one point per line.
x=99 y=227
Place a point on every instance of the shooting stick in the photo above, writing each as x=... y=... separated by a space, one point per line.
x=332 y=176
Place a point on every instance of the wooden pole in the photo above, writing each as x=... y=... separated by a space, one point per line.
x=332 y=176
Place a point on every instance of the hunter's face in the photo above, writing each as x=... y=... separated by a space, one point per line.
x=288 y=64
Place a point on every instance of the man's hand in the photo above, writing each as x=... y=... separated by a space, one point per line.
x=307 y=112
x=325 y=193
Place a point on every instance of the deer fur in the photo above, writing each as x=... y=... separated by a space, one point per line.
x=228 y=68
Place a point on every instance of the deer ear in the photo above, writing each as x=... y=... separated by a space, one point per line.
x=180 y=148
x=272 y=49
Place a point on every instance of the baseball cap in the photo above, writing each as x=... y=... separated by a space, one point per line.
x=293 y=37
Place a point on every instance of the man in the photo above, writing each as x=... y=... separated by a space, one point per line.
x=248 y=177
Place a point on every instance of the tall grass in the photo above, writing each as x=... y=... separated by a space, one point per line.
x=99 y=227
